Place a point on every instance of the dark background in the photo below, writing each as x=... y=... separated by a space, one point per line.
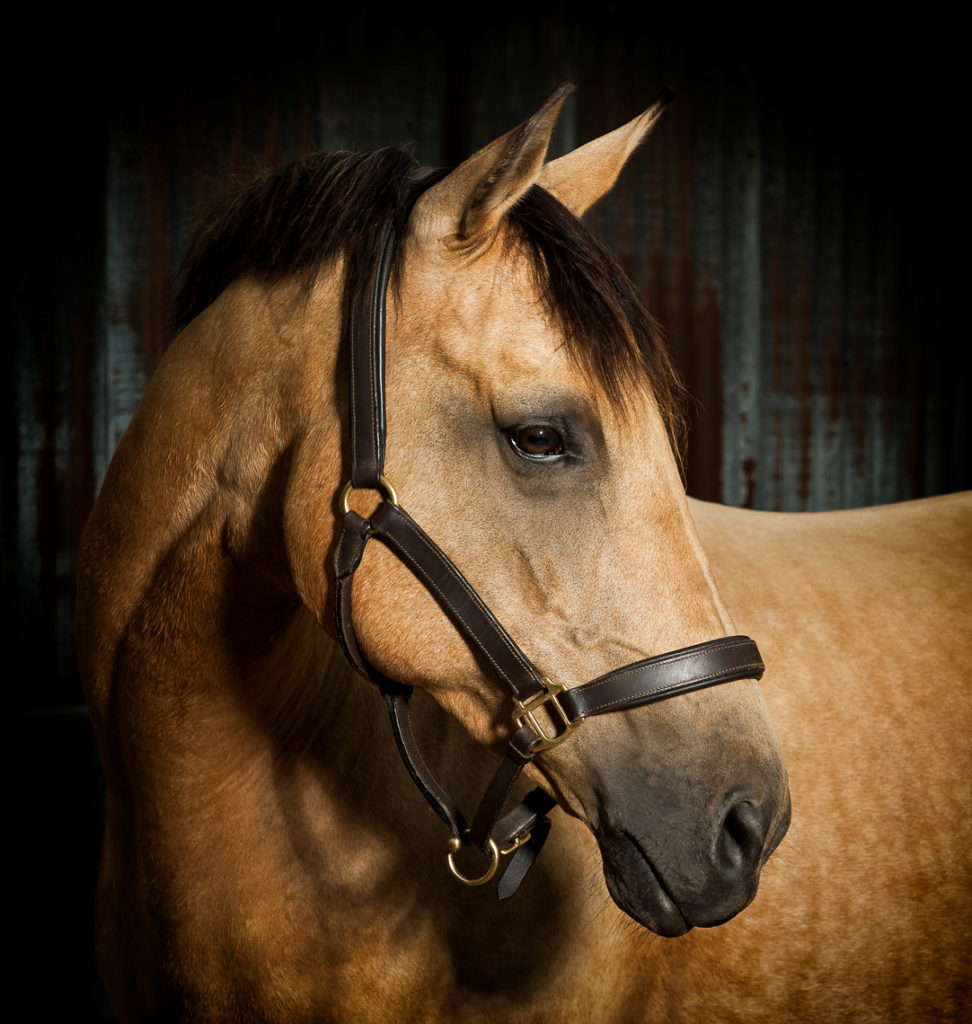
x=796 y=224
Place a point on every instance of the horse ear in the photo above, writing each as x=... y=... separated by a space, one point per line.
x=581 y=177
x=466 y=207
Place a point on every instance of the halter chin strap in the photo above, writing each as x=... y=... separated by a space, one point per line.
x=545 y=713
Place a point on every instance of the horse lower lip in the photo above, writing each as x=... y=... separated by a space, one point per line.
x=639 y=892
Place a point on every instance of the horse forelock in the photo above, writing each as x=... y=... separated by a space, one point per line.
x=608 y=332
x=297 y=219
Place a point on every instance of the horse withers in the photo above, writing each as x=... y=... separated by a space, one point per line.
x=266 y=857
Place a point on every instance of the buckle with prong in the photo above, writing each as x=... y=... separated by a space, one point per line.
x=525 y=712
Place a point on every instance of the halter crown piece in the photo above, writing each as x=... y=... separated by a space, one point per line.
x=522 y=831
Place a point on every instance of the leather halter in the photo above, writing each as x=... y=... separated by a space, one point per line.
x=523 y=830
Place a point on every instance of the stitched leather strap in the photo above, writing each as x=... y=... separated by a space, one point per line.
x=396 y=528
x=664 y=676
x=396 y=701
x=366 y=329
x=366 y=346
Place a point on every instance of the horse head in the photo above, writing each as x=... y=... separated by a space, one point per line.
x=530 y=415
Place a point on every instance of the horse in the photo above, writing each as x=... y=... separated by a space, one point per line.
x=266 y=856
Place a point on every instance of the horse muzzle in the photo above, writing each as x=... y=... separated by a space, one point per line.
x=671 y=884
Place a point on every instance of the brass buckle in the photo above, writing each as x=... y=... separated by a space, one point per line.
x=384 y=485
x=516 y=844
x=526 y=711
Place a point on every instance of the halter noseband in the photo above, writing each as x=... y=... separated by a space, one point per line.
x=522 y=831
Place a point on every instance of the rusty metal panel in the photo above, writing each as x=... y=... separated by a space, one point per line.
x=804 y=300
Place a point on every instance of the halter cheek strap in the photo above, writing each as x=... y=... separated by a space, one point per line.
x=545 y=713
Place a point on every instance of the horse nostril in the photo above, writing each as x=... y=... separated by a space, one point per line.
x=740 y=839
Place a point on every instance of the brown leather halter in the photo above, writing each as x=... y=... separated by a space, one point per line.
x=523 y=830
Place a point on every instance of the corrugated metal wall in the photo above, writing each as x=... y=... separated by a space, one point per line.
x=794 y=224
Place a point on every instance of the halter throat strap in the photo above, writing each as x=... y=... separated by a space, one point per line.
x=545 y=713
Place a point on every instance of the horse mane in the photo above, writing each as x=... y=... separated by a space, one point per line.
x=296 y=219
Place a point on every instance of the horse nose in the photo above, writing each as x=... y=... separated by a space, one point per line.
x=744 y=836
x=739 y=838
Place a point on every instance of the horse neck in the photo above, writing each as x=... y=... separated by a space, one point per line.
x=189 y=563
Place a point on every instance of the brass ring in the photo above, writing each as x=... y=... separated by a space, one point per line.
x=455 y=845
x=384 y=485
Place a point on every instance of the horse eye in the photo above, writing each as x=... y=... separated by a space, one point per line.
x=536 y=441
